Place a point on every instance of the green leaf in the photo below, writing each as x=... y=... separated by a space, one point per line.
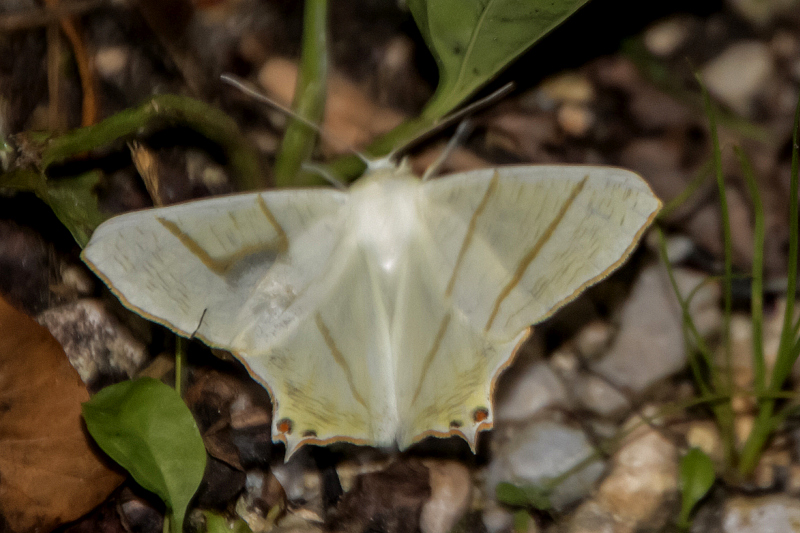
x=697 y=476
x=74 y=202
x=145 y=427
x=473 y=40
x=527 y=496
x=72 y=199
x=217 y=523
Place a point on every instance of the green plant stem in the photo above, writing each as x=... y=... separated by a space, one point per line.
x=159 y=112
x=787 y=349
x=309 y=100
x=180 y=359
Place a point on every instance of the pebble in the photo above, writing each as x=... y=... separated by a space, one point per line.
x=649 y=345
x=497 y=518
x=540 y=451
x=451 y=493
x=598 y=396
x=575 y=119
x=593 y=338
x=527 y=390
x=111 y=60
x=739 y=73
x=665 y=37
x=703 y=434
x=761 y=12
x=571 y=87
x=643 y=477
x=679 y=247
x=591 y=517
x=767 y=514
x=100 y=348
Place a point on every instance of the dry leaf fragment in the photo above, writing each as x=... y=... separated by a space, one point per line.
x=49 y=471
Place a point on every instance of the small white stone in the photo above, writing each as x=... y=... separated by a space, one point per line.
x=739 y=73
x=592 y=338
x=526 y=392
x=663 y=38
x=575 y=119
x=591 y=517
x=111 y=60
x=541 y=451
x=643 y=476
x=95 y=342
x=705 y=436
x=761 y=12
x=571 y=87
x=679 y=247
x=496 y=518
x=600 y=397
x=451 y=492
x=649 y=345
x=768 y=514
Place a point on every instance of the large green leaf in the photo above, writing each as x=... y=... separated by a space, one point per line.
x=145 y=427
x=473 y=40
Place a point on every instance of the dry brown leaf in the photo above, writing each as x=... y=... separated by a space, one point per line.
x=49 y=471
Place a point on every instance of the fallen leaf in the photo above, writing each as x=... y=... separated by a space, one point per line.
x=50 y=472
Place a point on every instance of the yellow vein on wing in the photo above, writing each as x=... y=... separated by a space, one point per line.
x=217 y=266
x=473 y=222
x=437 y=342
x=534 y=251
x=283 y=240
x=339 y=358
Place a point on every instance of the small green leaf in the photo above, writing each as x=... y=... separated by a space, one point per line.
x=697 y=477
x=72 y=199
x=145 y=427
x=473 y=40
x=527 y=496
x=74 y=202
x=217 y=523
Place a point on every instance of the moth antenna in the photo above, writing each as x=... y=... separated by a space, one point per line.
x=457 y=116
x=463 y=131
x=325 y=174
x=243 y=86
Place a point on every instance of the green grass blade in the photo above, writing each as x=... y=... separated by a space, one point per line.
x=783 y=365
x=725 y=381
x=689 y=326
x=757 y=291
x=698 y=180
x=788 y=348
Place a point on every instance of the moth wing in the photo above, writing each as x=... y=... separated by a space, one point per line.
x=324 y=355
x=192 y=267
x=445 y=384
x=517 y=243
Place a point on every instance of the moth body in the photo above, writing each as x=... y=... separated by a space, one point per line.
x=385 y=313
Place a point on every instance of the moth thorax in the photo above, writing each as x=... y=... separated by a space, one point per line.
x=385 y=218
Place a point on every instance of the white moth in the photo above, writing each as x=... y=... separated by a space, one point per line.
x=385 y=313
